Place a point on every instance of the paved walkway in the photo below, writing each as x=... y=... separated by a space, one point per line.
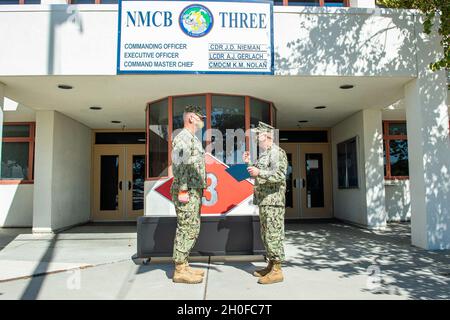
x=324 y=261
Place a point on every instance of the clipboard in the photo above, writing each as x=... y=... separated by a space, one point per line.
x=238 y=171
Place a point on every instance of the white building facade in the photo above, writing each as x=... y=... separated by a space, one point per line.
x=364 y=120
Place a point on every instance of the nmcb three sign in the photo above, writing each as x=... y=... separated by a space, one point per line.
x=195 y=37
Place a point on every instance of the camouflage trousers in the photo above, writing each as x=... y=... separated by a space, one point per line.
x=272 y=231
x=188 y=224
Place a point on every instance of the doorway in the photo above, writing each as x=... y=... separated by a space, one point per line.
x=118 y=182
x=308 y=185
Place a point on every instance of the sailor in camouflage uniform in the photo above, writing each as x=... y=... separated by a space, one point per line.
x=269 y=194
x=189 y=181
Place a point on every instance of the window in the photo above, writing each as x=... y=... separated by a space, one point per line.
x=17 y=152
x=20 y=1
x=179 y=103
x=336 y=3
x=347 y=164
x=225 y=113
x=158 y=138
x=313 y=3
x=259 y=111
x=304 y=3
x=395 y=145
x=304 y=136
x=119 y=137
x=93 y=1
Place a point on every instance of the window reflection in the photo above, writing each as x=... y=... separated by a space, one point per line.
x=304 y=3
x=227 y=123
x=334 y=3
x=83 y=1
x=179 y=103
x=14 y=160
x=395 y=149
x=227 y=116
x=397 y=129
x=109 y=181
x=138 y=181
x=398 y=153
x=347 y=164
x=16 y=131
x=158 y=139
x=289 y=183
x=259 y=111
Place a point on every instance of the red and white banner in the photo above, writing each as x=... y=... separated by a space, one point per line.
x=224 y=194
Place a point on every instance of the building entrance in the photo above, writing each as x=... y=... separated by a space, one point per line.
x=309 y=188
x=118 y=180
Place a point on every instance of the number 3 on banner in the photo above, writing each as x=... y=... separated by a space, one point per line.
x=211 y=189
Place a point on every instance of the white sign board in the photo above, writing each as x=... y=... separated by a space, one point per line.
x=195 y=37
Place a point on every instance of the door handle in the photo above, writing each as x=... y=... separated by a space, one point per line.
x=129 y=185
x=303 y=183
x=295 y=183
x=120 y=185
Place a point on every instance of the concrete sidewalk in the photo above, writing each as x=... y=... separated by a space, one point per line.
x=324 y=261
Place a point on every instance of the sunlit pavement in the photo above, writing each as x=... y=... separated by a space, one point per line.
x=323 y=261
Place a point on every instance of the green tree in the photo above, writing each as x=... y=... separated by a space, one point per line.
x=431 y=9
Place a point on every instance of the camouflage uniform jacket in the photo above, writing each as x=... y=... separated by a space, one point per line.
x=188 y=162
x=270 y=184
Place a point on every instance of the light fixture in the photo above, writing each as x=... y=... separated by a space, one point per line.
x=95 y=108
x=347 y=86
x=65 y=86
x=320 y=107
x=116 y=121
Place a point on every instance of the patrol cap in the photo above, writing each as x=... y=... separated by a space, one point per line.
x=264 y=128
x=194 y=109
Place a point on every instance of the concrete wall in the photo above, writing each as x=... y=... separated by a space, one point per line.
x=349 y=204
x=16 y=208
x=344 y=42
x=82 y=40
x=398 y=200
x=362 y=3
x=364 y=205
x=62 y=176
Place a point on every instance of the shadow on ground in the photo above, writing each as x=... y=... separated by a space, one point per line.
x=387 y=255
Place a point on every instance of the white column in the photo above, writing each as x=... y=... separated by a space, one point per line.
x=62 y=172
x=374 y=168
x=362 y=3
x=43 y=164
x=428 y=144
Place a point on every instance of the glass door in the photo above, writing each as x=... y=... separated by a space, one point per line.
x=316 y=188
x=135 y=177
x=292 y=187
x=308 y=181
x=118 y=182
x=108 y=184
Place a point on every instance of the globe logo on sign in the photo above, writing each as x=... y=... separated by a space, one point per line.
x=196 y=20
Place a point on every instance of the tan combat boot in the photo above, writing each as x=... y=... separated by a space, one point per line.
x=274 y=276
x=196 y=271
x=182 y=275
x=262 y=272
